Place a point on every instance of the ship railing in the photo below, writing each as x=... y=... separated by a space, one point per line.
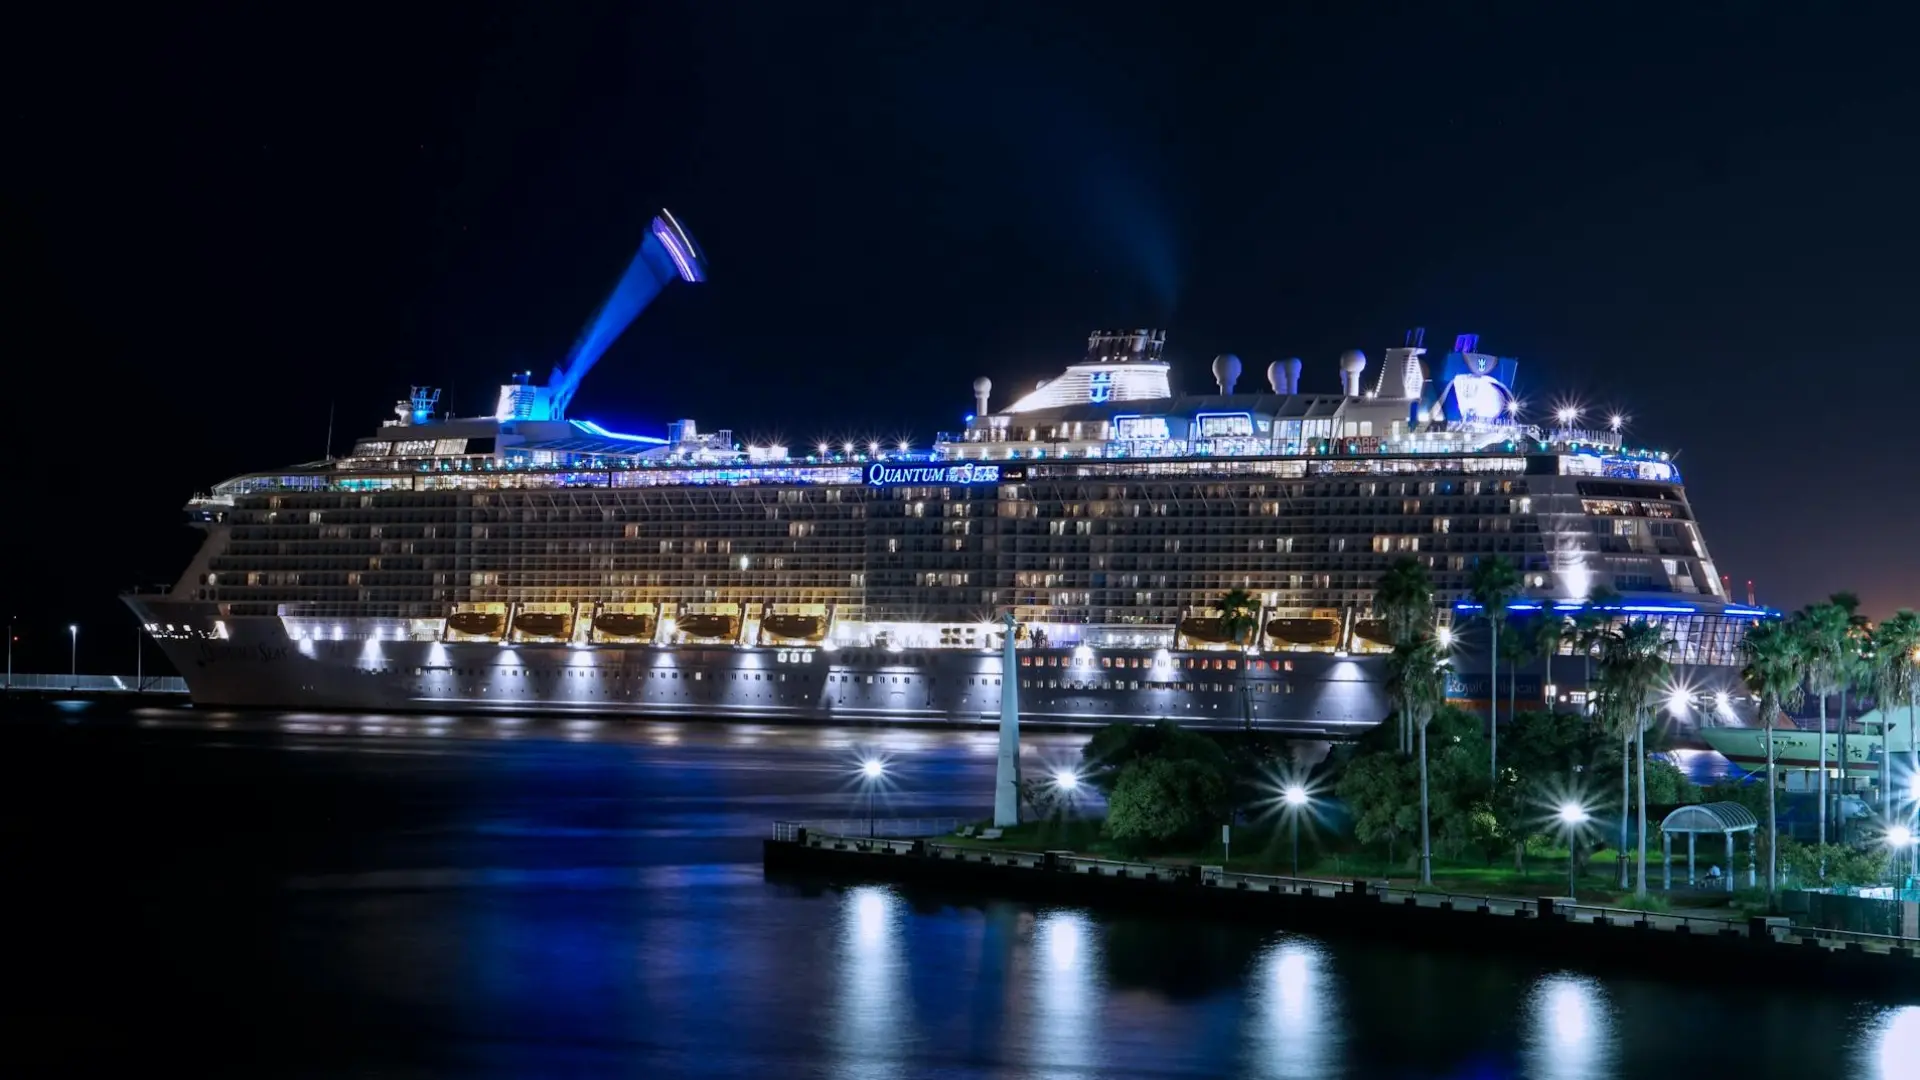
x=865 y=828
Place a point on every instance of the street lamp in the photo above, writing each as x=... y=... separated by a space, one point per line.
x=73 y=654
x=1573 y=816
x=1066 y=780
x=1295 y=797
x=872 y=771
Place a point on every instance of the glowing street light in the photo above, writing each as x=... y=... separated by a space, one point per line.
x=1296 y=799
x=1616 y=422
x=1722 y=701
x=1444 y=636
x=1566 y=414
x=1573 y=817
x=872 y=771
x=73 y=654
x=1066 y=779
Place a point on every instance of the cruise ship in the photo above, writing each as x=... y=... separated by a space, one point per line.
x=531 y=561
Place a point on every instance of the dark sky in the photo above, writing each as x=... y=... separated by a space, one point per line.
x=218 y=225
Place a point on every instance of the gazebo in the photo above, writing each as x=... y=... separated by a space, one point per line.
x=1723 y=818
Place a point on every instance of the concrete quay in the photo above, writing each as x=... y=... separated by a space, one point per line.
x=1650 y=944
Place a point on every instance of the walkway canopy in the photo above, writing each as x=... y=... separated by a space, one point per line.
x=1721 y=818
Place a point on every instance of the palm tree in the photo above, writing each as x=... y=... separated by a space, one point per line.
x=1775 y=671
x=1896 y=675
x=1821 y=630
x=1404 y=601
x=1416 y=678
x=1494 y=582
x=1854 y=671
x=1544 y=637
x=1516 y=649
x=1632 y=664
x=1240 y=618
x=1589 y=624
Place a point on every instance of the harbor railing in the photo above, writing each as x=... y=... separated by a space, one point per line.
x=97 y=684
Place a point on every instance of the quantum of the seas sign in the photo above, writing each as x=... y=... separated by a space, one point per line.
x=880 y=474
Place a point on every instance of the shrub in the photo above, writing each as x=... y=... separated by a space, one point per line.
x=1158 y=802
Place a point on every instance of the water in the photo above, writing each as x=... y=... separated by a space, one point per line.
x=333 y=896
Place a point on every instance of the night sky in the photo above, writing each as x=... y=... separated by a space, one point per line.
x=218 y=226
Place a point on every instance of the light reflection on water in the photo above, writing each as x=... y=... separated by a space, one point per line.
x=1295 y=1012
x=869 y=1018
x=1569 y=1034
x=1893 y=1045
x=1067 y=1039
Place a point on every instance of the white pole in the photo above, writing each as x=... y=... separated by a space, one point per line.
x=73 y=655
x=1006 y=773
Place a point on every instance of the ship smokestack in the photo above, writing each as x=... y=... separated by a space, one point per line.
x=1292 y=366
x=1352 y=363
x=1226 y=372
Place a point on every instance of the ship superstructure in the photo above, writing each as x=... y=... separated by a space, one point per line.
x=530 y=560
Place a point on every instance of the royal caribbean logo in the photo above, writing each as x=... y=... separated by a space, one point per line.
x=880 y=474
x=1101 y=388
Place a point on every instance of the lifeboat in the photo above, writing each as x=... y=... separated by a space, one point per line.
x=710 y=627
x=1210 y=629
x=541 y=624
x=1321 y=633
x=476 y=623
x=1374 y=632
x=621 y=624
x=807 y=628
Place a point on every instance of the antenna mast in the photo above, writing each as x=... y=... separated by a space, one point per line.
x=330 y=431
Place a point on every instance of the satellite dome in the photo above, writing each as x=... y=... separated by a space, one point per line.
x=983 y=385
x=1353 y=360
x=1226 y=371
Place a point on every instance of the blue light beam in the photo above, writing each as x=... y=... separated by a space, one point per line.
x=667 y=253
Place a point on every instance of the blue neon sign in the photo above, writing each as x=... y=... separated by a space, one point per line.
x=881 y=474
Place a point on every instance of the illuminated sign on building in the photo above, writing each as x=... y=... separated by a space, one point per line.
x=880 y=474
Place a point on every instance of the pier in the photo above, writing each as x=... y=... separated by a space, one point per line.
x=1678 y=946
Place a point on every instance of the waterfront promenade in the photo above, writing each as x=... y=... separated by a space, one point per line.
x=1654 y=944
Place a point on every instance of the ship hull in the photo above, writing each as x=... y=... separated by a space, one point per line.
x=256 y=665
x=1801 y=749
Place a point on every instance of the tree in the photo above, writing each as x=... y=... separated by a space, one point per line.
x=1416 y=677
x=1896 y=678
x=1383 y=789
x=1403 y=600
x=1239 y=615
x=1240 y=618
x=1545 y=634
x=1854 y=671
x=1589 y=624
x=1116 y=746
x=1157 y=802
x=1822 y=630
x=1494 y=581
x=1774 y=672
x=1631 y=665
x=1515 y=649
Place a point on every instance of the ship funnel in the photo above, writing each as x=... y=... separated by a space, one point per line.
x=1352 y=363
x=1226 y=372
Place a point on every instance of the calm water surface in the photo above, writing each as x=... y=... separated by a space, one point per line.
x=303 y=895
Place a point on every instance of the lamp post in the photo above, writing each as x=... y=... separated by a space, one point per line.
x=73 y=653
x=872 y=771
x=1899 y=838
x=1295 y=797
x=1573 y=816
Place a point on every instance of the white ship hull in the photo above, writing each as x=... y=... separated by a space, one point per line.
x=258 y=666
x=1801 y=748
